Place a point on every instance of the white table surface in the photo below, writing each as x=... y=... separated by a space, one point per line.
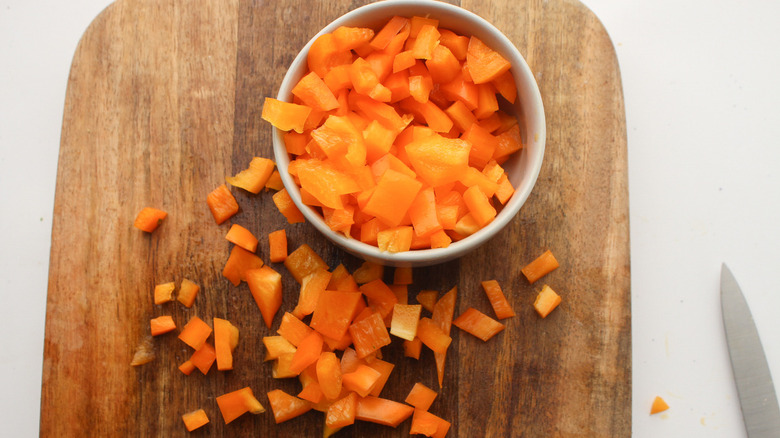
x=702 y=101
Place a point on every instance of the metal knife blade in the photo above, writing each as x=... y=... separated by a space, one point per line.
x=751 y=372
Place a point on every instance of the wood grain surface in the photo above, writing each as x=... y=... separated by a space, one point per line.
x=164 y=100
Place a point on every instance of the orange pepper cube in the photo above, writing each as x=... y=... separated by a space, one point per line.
x=149 y=218
x=405 y=320
x=222 y=204
x=255 y=177
x=392 y=197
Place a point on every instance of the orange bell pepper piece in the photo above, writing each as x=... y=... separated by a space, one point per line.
x=293 y=329
x=188 y=291
x=195 y=333
x=498 y=300
x=149 y=219
x=235 y=404
x=541 y=266
x=277 y=243
x=163 y=293
x=162 y=324
x=225 y=341
x=307 y=353
x=265 y=284
x=239 y=262
x=421 y=397
x=222 y=204
x=195 y=419
x=242 y=237
x=329 y=374
x=484 y=63
x=303 y=261
x=203 y=358
x=369 y=335
x=255 y=177
x=382 y=411
x=478 y=324
x=342 y=412
x=546 y=301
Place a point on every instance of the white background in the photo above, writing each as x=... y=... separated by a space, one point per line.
x=700 y=79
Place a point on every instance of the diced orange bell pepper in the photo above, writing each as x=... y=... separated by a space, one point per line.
x=149 y=219
x=275 y=346
x=195 y=333
x=509 y=142
x=442 y=314
x=334 y=312
x=362 y=380
x=303 y=261
x=369 y=335
x=425 y=42
x=380 y=297
x=432 y=335
x=255 y=177
x=421 y=397
x=324 y=54
x=478 y=324
x=293 y=329
x=311 y=392
x=162 y=324
x=163 y=293
x=242 y=237
x=367 y=272
x=425 y=423
x=479 y=206
x=497 y=299
x=277 y=243
x=237 y=403
x=546 y=301
x=348 y=38
x=307 y=353
x=195 y=419
x=311 y=287
x=281 y=367
x=405 y=320
x=458 y=44
x=222 y=204
x=397 y=239
x=285 y=116
x=484 y=63
x=314 y=93
x=443 y=65
x=382 y=411
x=392 y=197
x=341 y=413
x=239 y=262
x=386 y=34
x=329 y=374
x=187 y=292
x=203 y=358
x=225 y=341
x=427 y=298
x=505 y=190
x=659 y=405
x=266 y=287
x=438 y=160
x=541 y=266
x=287 y=207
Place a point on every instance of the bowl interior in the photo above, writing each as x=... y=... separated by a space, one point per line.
x=522 y=168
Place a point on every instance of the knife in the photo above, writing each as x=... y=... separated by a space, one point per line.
x=751 y=372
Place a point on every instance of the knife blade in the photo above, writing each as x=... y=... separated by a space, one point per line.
x=751 y=373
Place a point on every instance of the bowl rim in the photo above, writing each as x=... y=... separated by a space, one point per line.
x=416 y=257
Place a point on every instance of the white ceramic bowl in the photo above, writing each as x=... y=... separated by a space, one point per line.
x=522 y=169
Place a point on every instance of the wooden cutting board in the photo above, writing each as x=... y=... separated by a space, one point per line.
x=164 y=100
